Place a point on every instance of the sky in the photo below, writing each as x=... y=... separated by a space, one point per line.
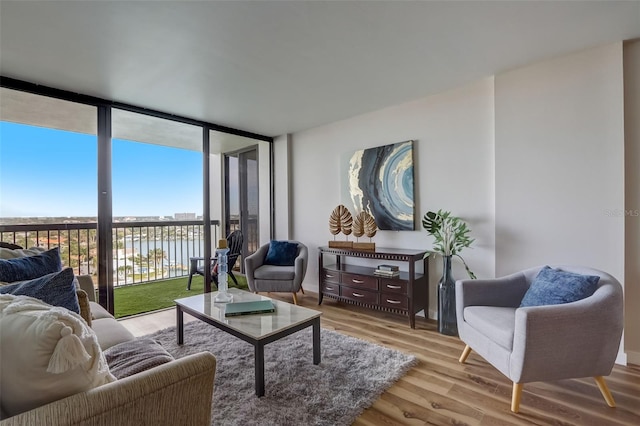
x=53 y=173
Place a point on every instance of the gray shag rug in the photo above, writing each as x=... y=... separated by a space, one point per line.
x=352 y=374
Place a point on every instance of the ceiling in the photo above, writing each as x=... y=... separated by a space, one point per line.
x=276 y=67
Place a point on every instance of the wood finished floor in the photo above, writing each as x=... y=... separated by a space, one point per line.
x=441 y=391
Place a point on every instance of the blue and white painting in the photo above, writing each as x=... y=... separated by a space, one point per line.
x=379 y=181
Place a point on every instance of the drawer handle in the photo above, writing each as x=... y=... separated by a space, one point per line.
x=328 y=276
x=357 y=281
x=395 y=302
x=328 y=288
x=358 y=295
x=393 y=286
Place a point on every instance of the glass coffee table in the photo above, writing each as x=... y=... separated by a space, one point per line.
x=257 y=329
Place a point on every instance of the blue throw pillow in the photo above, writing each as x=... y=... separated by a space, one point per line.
x=56 y=289
x=553 y=287
x=281 y=253
x=30 y=267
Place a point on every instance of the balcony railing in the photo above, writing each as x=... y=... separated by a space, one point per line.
x=142 y=251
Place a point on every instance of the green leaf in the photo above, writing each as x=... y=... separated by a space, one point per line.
x=450 y=234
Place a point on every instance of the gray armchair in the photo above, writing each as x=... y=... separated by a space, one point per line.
x=271 y=278
x=541 y=343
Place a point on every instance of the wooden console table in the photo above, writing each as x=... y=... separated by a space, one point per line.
x=407 y=294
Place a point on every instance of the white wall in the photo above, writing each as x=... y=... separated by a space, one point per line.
x=453 y=170
x=282 y=184
x=632 y=204
x=533 y=161
x=264 y=189
x=560 y=163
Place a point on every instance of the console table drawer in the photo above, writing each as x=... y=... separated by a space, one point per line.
x=394 y=301
x=360 y=281
x=330 y=276
x=331 y=288
x=358 y=295
x=393 y=286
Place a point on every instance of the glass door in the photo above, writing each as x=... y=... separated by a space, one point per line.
x=242 y=194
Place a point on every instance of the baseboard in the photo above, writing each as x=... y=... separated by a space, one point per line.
x=632 y=358
x=432 y=314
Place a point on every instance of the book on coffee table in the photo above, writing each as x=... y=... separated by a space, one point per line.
x=249 y=308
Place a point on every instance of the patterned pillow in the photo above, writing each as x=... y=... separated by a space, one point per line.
x=131 y=357
x=30 y=267
x=554 y=287
x=57 y=289
x=281 y=253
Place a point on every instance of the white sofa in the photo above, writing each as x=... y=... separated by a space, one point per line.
x=178 y=392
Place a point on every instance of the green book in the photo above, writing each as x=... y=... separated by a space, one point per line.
x=249 y=308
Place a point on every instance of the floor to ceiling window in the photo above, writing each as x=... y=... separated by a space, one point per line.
x=121 y=189
x=48 y=177
x=157 y=201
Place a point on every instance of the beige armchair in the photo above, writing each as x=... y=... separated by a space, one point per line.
x=541 y=343
x=272 y=278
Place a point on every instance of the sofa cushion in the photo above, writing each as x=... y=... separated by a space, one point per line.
x=132 y=357
x=271 y=272
x=554 y=287
x=281 y=253
x=46 y=354
x=30 y=266
x=110 y=332
x=496 y=323
x=98 y=311
x=56 y=289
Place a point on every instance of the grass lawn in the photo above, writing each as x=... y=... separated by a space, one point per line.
x=135 y=299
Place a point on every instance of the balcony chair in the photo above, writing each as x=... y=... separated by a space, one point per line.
x=541 y=341
x=9 y=246
x=272 y=270
x=234 y=243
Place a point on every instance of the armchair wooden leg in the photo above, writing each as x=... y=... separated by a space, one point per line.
x=604 y=389
x=515 y=397
x=465 y=354
x=295 y=299
x=302 y=290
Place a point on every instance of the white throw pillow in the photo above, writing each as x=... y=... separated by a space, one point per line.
x=46 y=353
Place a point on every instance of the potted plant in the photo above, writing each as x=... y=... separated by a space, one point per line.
x=451 y=235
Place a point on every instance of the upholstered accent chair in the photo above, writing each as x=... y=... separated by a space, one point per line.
x=234 y=243
x=541 y=343
x=265 y=277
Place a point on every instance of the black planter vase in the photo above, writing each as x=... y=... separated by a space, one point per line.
x=447 y=323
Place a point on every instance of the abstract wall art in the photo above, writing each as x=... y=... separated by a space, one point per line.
x=379 y=181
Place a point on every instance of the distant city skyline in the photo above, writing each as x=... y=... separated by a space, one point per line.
x=53 y=173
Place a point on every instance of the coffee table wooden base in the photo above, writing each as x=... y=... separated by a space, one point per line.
x=258 y=344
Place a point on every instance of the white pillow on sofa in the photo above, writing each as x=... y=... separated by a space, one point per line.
x=46 y=353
